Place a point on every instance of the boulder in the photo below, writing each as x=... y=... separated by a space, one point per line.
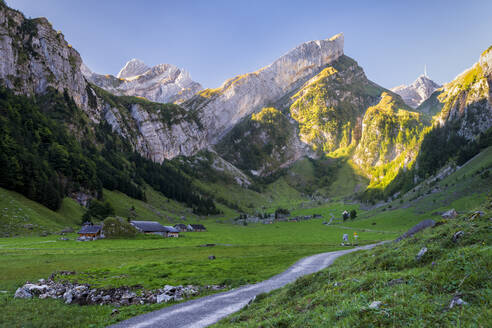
x=163 y=298
x=421 y=253
x=456 y=301
x=211 y=257
x=68 y=297
x=458 y=235
x=375 y=305
x=418 y=227
x=451 y=214
x=67 y=230
x=22 y=292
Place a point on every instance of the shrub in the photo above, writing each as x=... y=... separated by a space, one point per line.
x=118 y=228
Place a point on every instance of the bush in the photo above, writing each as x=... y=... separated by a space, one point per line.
x=98 y=211
x=118 y=228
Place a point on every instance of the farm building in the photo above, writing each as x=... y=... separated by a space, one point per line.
x=90 y=230
x=153 y=227
x=171 y=232
x=196 y=227
x=181 y=227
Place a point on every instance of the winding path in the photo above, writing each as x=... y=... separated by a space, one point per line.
x=207 y=310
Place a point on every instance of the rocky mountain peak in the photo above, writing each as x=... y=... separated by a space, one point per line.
x=163 y=83
x=220 y=109
x=132 y=68
x=417 y=92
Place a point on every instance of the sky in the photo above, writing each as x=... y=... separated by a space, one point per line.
x=215 y=40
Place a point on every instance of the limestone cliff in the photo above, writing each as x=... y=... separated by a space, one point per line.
x=35 y=57
x=466 y=102
x=220 y=109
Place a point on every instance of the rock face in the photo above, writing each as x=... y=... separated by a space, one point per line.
x=330 y=106
x=220 y=109
x=262 y=143
x=132 y=68
x=417 y=92
x=34 y=57
x=162 y=83
x=390 y=134
x=466 y=102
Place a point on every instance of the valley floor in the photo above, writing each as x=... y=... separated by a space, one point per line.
x=244 y=254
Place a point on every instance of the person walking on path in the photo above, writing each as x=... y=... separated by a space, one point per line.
x=356 y=236
x=345 y=239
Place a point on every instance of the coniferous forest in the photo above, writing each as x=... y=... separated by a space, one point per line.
x=42 y=160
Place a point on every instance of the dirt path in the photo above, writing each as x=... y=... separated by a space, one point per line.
x=208 y=310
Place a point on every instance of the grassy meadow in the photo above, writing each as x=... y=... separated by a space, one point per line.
x=244 y=254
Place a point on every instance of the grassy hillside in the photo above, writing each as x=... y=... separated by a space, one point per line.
x=20 y=215
x=413 y=292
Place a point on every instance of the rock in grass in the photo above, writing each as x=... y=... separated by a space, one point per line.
x=163 y=298
x=458 y=235
x=419 y=227
x=22 y=292
x=395 y=282
x=375 y=305
x=456 y=301
x=451 y=214
x=68 y=297
x=211 y=257
x=421 y=253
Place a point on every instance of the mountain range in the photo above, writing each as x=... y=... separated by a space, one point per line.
x=163 y=83
x=314 y=102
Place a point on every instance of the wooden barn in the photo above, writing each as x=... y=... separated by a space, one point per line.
x=153 y=227
x=171 y=232
x=181 y=227
x=90 y=230
x=196 y=227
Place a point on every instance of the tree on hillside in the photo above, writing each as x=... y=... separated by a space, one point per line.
x=353 y=214
x=345 y=215
x=97 y=211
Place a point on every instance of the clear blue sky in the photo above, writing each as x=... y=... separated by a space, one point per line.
x=215 y=40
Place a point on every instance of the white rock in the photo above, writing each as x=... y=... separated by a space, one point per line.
x=375 y=305
x=22 y=292
x=68 y=296
x=421 y=253
x=164 y=298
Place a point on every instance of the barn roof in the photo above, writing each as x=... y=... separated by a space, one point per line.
x=90 y=229
x=180 y=225
x=170 y=229
x=148 y=226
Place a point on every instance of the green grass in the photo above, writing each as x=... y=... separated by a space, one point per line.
x=348 y=181
x=340 y=295
x=245 y=254
x=18 y=212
